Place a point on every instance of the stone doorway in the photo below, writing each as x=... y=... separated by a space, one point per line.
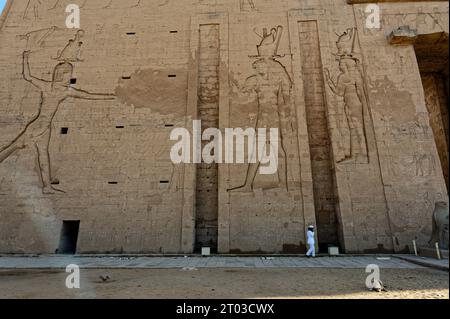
x=432 y=58
x=69 y=237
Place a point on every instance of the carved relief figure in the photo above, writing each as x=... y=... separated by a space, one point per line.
x=136 y=4
x=36 y=39
x=32 y=9
x=349 y=85
x=72 y=51
x=440 y=225
x=271 y=86
x=37 y=132
x=106 y=4
x=424 y=164
x=247 y=5
x=58 y=4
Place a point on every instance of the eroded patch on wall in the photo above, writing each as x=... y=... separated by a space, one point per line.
x=162 y=91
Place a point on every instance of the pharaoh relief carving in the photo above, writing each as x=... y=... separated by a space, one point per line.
x=425 y=164
x=270 y=86
x=349 y=85
x=36 y=134
x=419 y=164
x=397 y=127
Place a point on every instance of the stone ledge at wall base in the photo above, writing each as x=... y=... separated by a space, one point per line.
x=441 y=264
x=431 y=252
x=127 y=255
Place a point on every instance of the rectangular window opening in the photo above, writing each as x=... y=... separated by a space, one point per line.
x=131 y=33
x=172 y=75
x=73 y=81
x=113 y=183
x=64 y=130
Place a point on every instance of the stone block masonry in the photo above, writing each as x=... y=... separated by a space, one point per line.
x=86 y=116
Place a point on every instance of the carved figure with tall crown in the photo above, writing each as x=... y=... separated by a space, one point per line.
x=349 y=85
x=346 y=43
x=270 y=85
x=268 y=48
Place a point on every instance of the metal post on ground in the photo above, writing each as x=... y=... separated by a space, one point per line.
x=415 y=247
x=438 y=253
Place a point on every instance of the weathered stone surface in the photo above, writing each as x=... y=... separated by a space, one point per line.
x=86 y=117
x=402 y=36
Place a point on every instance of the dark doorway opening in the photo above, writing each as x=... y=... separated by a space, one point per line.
x=69 y=237
x=432 y=58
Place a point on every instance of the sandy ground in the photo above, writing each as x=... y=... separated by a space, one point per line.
x=224 y=283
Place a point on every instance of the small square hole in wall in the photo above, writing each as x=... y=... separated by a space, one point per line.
x=164 y=184
x=64 y=130
x=73 y=81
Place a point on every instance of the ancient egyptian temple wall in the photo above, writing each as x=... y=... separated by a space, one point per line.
x=86 y=117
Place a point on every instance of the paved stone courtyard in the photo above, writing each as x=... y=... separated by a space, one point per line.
x=115 y=262
x=219 y=277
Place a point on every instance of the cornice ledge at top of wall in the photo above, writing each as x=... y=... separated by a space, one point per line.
x=402 y=36
x=5 y=12
x=378 y=1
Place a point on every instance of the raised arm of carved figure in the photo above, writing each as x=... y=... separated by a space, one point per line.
x=330 y=81
x=337 y=88
x=80 y=94
x=248 y=87
x=39 y=83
